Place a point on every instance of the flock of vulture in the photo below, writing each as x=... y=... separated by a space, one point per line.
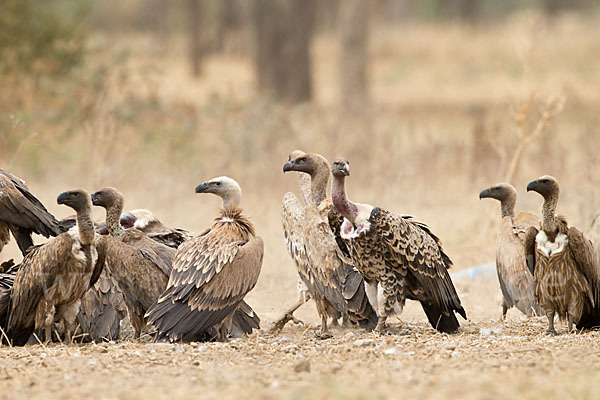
x=359 y=263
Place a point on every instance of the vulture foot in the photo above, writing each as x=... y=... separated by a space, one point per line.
x=287 y=317
x=381 y=327
x=551 y=332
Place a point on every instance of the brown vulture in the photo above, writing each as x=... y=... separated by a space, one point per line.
x=516 y=281
x=211 y=273
x=53 y=277
x=565 y=273
x=338 y=289
x=398 y=257
x=139 y=265
x=22 y=213
x=145 y=221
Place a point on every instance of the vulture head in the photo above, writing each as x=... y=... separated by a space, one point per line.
x=547 y=186
x=77 y=199
x=224 y=187
x=501 y=192
x=340 y=167
x=107 y=197
x=308 y=163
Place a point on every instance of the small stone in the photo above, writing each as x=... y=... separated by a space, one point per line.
x=336 y=367
x=451 y=346
x=364 y=343
x=389 y=351
x=302 y=366
x=76 y=355
x=196 y=363
x=292 y=348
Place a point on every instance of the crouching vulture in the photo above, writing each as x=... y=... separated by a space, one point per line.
x=398 y=257
x=53 y=277
x=566 y=276
x=338 y=289
x=211 y=273
x=516 y=281
x=22 y=213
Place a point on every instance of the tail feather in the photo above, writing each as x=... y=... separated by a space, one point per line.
x=442 y=322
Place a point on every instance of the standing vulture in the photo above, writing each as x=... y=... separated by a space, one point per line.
x=22 y=213
x=139 y=265
x=516 y=281
x=53 y=277
x=338 y=289
x=211 y=273
x=562 y=260
x=399 y=258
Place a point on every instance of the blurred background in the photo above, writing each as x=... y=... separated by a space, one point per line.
x=431 y=101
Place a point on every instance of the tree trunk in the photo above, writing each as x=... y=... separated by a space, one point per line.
x=196 y=47
x=283 y=32
x=353 y=62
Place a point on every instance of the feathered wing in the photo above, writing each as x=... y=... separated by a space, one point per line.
x=160 y=254
x=23 y=212
x=582 y=252
x=516 y=281
x=7 y=279
x=40 y=268
x=141 y=273
x=102 y=309
x=337 y=280
x=530 y=248
x=211 y=275
x=413 y=246
x=292 y=217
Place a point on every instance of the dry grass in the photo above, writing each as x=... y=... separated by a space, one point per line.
x=442 y=98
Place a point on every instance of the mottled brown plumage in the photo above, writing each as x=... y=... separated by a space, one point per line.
x=211 y=273
x=398 y=257
x=516 y=281
x=567 y=279
x=102 y=310
x=22 y=213
x=54 y=277
x=145 y=221
x=337 y=288
x=140 y=265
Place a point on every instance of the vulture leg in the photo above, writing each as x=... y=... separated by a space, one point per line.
x=324 y=328
x=550 y=315
x=346 y=321
x=504 y=310
x=289 y=315
x=571 y=330
x=48 y=334
x=335 y=323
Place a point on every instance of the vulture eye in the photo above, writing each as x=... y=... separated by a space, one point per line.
x=303 y=159
x=218 y=183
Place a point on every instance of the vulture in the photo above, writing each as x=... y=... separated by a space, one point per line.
x=53 y=277
x=211 y=273
x=145 y=221
x=139 y=265
x=102 y=310
x=22 y=213
x=566 y=276
x=338 y=289
x=593 y=234
x=398 y=257
x=516 y=281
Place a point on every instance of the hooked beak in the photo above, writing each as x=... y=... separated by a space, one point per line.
x=201 y=188
x=288 y=166
x=94 y=199
x=484 y=194
x=532 y=185
x=62 y=198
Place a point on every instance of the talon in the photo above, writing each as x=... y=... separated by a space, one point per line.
x=296 y=321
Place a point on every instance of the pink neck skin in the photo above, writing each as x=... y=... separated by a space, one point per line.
x=338 y=194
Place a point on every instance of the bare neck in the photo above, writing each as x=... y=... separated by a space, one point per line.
x=549 y=224
x=113 y=218
x=305 y=189
x=338 y=194
x=319 y=181
x=232 y=199
x=507 y=207
x=85 y=225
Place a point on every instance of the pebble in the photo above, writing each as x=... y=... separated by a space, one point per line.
x=364 y=343
x=302 y=366
x=390 y=351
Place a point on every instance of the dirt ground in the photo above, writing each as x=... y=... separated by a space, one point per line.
x=486 y=359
